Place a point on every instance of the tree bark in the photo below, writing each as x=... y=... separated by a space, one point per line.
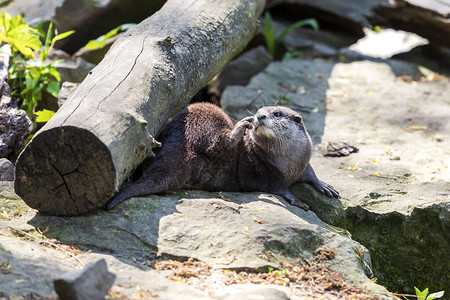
x=77 y=161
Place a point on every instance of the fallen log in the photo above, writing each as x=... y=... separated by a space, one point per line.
x=77 y=161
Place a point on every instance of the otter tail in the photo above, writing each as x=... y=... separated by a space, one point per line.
x=132 y=191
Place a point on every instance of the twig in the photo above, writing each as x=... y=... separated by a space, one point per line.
x=50 y=243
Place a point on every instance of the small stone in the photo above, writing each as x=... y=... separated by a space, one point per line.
x=91 y=283
x=6 y=170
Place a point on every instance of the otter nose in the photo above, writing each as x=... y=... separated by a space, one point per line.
x=260 y=117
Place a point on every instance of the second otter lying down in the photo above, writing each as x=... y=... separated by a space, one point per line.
x=205 y=149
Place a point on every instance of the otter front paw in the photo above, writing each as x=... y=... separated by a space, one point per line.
x=325 y=189
x=248 y=122
x=239 y=130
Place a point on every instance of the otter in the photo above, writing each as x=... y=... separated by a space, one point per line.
x=203 y=148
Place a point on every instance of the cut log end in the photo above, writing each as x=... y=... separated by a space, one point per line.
x=65 y=171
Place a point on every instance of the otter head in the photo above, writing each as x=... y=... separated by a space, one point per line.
x=278 y=122
x=281 y=134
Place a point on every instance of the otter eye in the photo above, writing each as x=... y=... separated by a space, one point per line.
x=277 y=114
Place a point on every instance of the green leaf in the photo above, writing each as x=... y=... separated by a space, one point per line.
x=269 y=35
x=37 y=92
x=54 y=73
x=311 y=22
x=5 y=20
x=44 y=115
x=53 y=88
x=48 y=37
x=435 y=295
x=273 y=42
x=63 y=35
x=19 y=35
x=100 y=42
x=421 y=294
x=44 y=54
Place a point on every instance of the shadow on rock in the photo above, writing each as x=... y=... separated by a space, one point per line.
x=130 y=230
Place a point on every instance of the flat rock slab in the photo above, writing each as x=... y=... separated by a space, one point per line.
x=228 y=230
x=396 y=186
x=395 y=191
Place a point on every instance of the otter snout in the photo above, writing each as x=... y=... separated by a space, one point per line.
x=263 y=125
x=260 y=117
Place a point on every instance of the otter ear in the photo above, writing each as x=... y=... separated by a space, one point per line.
x=297 y=119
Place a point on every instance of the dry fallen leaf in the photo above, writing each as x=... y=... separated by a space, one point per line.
x=222 y=196
x=416 y=127
x=43 y=231
x=398 y=192
x=352 y=168
x=226 y=260
x=255 y=219
x=337 y=149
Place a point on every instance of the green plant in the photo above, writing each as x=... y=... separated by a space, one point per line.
x=272 y=41
x=423 y=295
x=28 y=77
x=16 y=32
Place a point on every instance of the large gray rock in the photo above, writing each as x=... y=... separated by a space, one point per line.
x=231 y=234
x=395 y=191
